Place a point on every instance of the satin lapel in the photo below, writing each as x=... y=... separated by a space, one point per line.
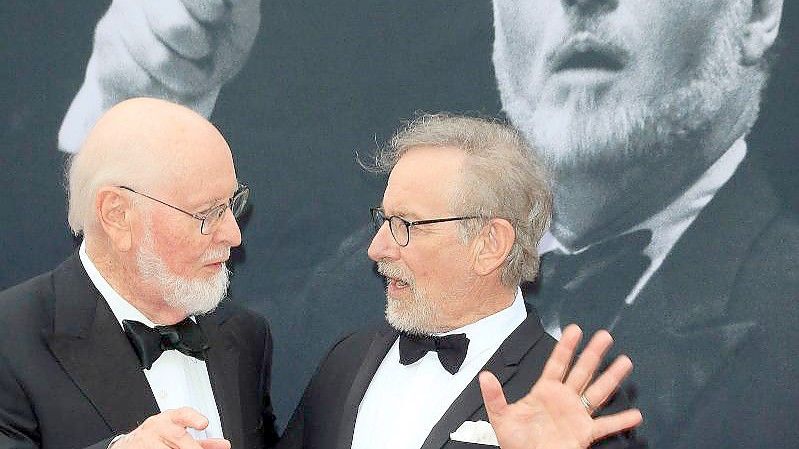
x=223 y=370
x=504 y=364
x=678 y=331
x=91 y=347
x=377 y=351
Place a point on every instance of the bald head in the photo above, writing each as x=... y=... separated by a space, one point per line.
x=146 y=144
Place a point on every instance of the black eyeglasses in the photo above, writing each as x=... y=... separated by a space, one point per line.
x=210 y=218
x=401 y=228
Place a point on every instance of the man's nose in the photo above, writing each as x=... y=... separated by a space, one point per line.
x=383 y=246
x=228 y=231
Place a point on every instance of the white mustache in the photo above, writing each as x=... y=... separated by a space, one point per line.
x=390 y=270
x=214 y=255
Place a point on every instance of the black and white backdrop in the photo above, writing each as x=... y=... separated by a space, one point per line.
x=326 y=80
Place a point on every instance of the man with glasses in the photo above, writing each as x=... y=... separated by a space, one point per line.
x=462 y=213
x=128 y=343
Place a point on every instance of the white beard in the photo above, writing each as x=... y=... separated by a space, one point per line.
x=193 y=296
x=590 y=129
x=415 y=315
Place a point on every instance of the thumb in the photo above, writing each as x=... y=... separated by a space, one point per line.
x=214 y=443
x=493 y=397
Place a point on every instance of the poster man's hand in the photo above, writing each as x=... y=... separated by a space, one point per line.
x=179 y=50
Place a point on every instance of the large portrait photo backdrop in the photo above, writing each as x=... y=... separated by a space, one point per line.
x=668 y=126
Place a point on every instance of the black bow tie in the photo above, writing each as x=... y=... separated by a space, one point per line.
x=150 y=342
x=451 y=349
x=589 y=288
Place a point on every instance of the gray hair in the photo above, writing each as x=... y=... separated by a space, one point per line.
x=82 y=183
x=502 y=178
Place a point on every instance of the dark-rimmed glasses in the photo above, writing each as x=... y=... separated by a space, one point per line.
x=401 y=228
x=210 y=218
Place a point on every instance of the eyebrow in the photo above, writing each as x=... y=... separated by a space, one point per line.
x=406 y=214
x=210 y=204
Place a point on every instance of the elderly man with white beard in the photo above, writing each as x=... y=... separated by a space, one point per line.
x=664 y=230
x=127 y=344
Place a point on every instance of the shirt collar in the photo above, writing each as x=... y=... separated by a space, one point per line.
x=493 y=329
x=122 y=309
x=669 y=224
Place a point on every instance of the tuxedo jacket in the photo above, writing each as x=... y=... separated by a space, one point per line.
x=325 y=417
x=69 y=378
x=713 y=334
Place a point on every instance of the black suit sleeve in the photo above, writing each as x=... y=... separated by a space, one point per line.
x=294 y=435
x=18 y=425
x=267 y=414
x=19 y=422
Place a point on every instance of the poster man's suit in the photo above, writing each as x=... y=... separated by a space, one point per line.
x=713 y=332
x=69 y=378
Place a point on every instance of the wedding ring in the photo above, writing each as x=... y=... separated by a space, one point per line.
x=587 y=404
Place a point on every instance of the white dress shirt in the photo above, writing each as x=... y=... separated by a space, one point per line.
x=176 y=380
x=403 y=403
x=669 y=224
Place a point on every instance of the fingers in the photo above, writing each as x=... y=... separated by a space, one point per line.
x=214 y=443
x=188 y=417
x=177 y=49
x=159 y=58
x=206 y=11
x=604 y=426
x=177 y=434
x=608 y=382
x=172 y=23
x=559 y=361
x=493 y=396
x=589 y=360
x=169 y=430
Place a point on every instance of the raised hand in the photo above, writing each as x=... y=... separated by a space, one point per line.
x=557 y=412
x=178 y=50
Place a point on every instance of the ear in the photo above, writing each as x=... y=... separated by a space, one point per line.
x=493 y=245
x=761 y=30
x=114 y=215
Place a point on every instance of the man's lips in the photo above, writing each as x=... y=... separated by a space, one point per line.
x=396 y=279
x=584 y=51
x=218 y=263
x=398 y=283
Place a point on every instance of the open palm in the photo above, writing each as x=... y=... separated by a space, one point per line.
x=557 y=412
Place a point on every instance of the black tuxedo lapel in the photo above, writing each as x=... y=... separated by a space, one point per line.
x=223 y=369
x=91 y=347
x=377 y=351
x=504 y=364
x=682 y=312
x=718 y=242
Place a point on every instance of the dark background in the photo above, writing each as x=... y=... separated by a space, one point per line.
x=324 y=80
